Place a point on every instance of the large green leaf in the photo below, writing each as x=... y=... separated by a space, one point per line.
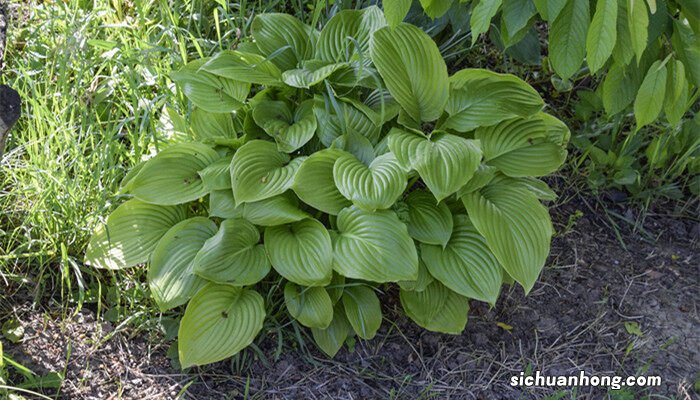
x=638 y=23
x=481 y=16
x=686 y=44
x=424 y=279
x=373 y=187
x=277 y=210
x=413 y=70
x=516 y=226
x=233 y=256
x=533 y=146
x=208 y=91
x=314 y=183
x=428 y=221
x=171 y=177
x=170 y=275
x=259 y=171
x=650 y=98
x=131 y=233
x=465 y=265
x=436 y=308
x=481 y=98
x=302 y=252
x=445 y=162
x=223 y=205
x=244 y=67
x=219 y=321
x=602 y=34
x=362 y=310
x=567 y=38
x=311 y=306
x=217 y=176
x=374 y=246
x=676 y=101
x=348 y=33
x=481 y=178
x=338 y=117
x=331 y=339
x=210 y=127
x=517 y=14
x=623 y=51
x=283 y=39
x=291 y=130
x=312 y=73
x=619 y=88
x=395 y=11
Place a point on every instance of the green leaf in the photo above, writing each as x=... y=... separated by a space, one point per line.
x=208 y=91
x=638 y=23
x=219 y=321
x=395 y=11
x=428 y=221
x=567 y=38
x=222 y=205
x=533 y=146
x=244 y=67
x=517 y=14
x=445 y=162
x=466 y=264
x=314 y=183
x=516 y=227
x=436 y=8
x=687 y=45
x=481 y=178
x=343 y=117
x=602 y=34
x=424 y=279
x=481 y=16
x=481 y=98
x=623 y=51
x=302 y=252
x=540 y=189
x=312 y=73
x=311 y=306
x=413 y=70
x=233 y=256
x=335 y=289
x=676 y=101
x=362 y=310
x=276 y=210
x=208 y=126
x=619 y=88
x=259 y=171
x=217 y=176
x=348 y=29
x=331 y=339
x=291 y=130
x=170 y=275
x=436 y=308
x=374 y=246
x=171 y=177
x=130 y=235
x=282 y=38
x=373 y=187
x=650 y=98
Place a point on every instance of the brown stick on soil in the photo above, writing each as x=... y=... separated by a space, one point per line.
x=10 y=103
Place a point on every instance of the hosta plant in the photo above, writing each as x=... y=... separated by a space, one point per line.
x=336 y=162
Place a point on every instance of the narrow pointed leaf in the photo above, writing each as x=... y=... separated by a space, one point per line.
x=638 y=23
x=436 y=308
x=602 y=34
x=395 y=11
x=373 y=187
x=362 y=310
x=311 y=306
x=311 y=74
x=233 y=256
x=650 y=98
x=302 y=252
x=130 y=235
x=619 y=89
x=171 y=276
x=428 y=221
x=374 y=246
x=314 y=183
x=676 y=101
x=481 y=16
x=219 y=321
x=567 y=38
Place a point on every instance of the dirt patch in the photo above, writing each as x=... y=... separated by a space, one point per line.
x=573 y=320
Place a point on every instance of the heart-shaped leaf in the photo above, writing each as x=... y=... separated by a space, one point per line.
x=413 y=70
x=479 y=97
x=428 y=221
x=362 y=310
x=233 y=256
x=436 y=308
x=516 y=227
x=171 y=177
x=219 y=321
x=346 y=36
x=282 y=38
x=170 y=275
x=372 y=187
x=374 y=246
x=302 y=252
x=314 y=183
x=291 y=130
x=259 y=171
x=131 y=233
x=533 y=146
x=466 y=265
x=244 y=67
x=331 y=339
x=311 y=306
x=445 y=162
x=208 y=91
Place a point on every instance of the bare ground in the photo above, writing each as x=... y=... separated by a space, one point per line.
x=573 y=320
